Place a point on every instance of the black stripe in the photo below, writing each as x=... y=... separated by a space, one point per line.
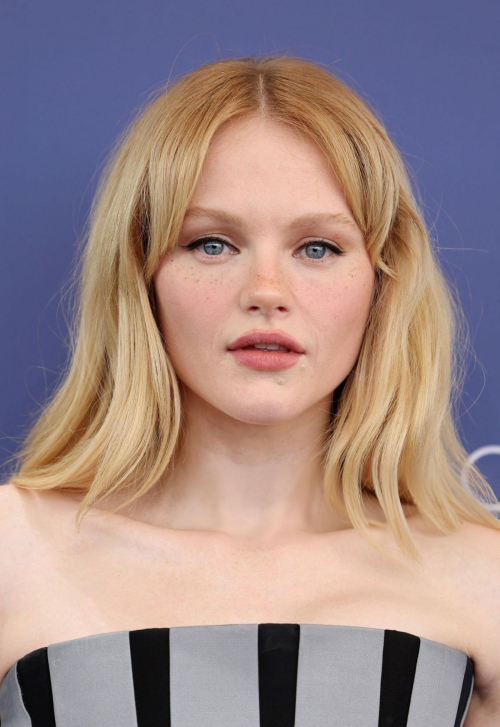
x=278 y=647
x=33 y=674
x=150 y=655
x=399 y=663
x=464 y=694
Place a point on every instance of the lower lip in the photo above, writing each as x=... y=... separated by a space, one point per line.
x=266 y=360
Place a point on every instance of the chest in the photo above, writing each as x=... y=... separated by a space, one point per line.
x=71 y=589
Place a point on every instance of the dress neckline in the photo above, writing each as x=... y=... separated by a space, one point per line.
x=235 y=625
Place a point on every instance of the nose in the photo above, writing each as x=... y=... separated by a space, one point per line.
x=266 y=286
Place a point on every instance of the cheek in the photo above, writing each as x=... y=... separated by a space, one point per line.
x=190 y=306
x=341 y=312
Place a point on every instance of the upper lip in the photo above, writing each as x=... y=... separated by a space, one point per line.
x=279 y=337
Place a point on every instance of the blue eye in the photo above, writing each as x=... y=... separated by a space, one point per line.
x=319 y=244
x=213 y=245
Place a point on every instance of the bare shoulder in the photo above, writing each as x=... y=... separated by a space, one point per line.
x=476 y=568
x=470 y=559
x=29 y=529
x=464 y=566
x=15 y=507
x=24 y=516
x=479 y=558
x=13 y=546
x=475 y=556
x=11 y=525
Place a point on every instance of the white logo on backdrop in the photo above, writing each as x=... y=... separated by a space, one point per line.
x=473 y=458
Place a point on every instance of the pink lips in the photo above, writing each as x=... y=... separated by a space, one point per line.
x=261 y=336
x=266 y=360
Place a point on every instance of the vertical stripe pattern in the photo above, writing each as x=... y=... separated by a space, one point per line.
x=249 y=675
x=339 y=676
x=278 y=659
x=466 y=694
x=399 y=663
x=214 y=676
x=92 y=681
x=12 y=708
x=35 y=684
x=150 y=655
x=437 y=685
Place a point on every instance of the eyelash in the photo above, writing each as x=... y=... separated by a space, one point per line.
x=213 y=238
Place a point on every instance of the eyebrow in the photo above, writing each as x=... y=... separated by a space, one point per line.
x=339 y=218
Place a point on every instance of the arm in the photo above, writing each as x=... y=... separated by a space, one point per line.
x=484 y=598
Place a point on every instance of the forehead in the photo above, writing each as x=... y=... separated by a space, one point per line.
x=251 y=141
x=258 y=166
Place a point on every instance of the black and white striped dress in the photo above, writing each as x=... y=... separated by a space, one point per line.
x=240 y=675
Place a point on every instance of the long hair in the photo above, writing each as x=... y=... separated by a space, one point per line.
x=115 y=420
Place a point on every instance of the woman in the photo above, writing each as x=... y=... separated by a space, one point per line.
x=243 y=505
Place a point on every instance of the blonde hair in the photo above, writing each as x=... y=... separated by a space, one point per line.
x=115 y=421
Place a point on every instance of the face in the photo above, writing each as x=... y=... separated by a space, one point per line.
x=265 y=272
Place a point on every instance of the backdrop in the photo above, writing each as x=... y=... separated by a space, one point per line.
x=73 y=73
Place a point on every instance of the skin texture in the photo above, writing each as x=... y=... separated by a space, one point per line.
x=249 y=468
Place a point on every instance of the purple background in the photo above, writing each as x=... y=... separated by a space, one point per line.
x=72 y=73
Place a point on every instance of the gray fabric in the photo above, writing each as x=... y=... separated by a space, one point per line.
x=92 y=681
x=467 y=704
x=338 y=676
x=437 y=685
x=214 y=678
x=12 y=709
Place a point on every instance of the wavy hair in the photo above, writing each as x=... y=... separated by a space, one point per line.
x=115 y=422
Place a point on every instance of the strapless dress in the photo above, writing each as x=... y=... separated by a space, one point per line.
x=240 y=675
